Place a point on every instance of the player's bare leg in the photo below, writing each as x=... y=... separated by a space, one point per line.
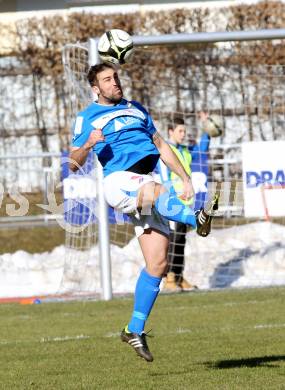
x=148 y=194
x=154 y=247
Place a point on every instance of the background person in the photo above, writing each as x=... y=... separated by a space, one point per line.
x=194 y=155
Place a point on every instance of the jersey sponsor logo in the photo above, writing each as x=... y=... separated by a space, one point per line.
x=118 y=125
x=124 y=121
x=101 y=122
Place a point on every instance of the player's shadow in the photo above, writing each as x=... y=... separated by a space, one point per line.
x=227 y=273
x=258 y=361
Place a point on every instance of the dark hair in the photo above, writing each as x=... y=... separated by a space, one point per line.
x=173 y=122
x=94 y=70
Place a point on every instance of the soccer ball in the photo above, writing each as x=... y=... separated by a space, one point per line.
x=115 y=46
x=213 y=125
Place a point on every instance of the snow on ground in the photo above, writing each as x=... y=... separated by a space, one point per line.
x=248 y=255
x=241 y=256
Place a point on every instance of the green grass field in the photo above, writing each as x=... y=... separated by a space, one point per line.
x=202 y=340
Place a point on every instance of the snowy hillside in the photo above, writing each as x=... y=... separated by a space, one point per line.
x=248 y=255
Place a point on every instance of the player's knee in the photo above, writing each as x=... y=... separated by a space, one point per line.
x=146 y=195
x=159 y=189
x=158 y=267
x=149 y=193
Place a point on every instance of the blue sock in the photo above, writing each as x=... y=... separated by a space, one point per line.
x=147 y=289
x=170 y=207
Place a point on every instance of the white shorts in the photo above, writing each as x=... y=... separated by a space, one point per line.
x=120 y=189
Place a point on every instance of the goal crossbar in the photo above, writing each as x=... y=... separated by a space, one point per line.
x=205 y=37
x=200 y=37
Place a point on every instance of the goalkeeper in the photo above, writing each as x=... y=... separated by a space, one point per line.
x=123 y=136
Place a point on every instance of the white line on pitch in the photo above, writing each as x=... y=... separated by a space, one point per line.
x=193 y=330
x=116 y=334
x=64 y=338
x=113 y=334
x=206 y=306
x=268 y=326
x=46 y=339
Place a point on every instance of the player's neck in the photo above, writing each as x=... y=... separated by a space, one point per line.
x=107 y=102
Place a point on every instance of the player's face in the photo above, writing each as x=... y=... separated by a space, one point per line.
x=108 y=88
x=177 y=135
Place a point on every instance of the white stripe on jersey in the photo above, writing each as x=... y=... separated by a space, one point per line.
x=100 y=123
x=78 y=125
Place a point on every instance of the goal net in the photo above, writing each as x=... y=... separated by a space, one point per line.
x=80 y=273
x=245 y=248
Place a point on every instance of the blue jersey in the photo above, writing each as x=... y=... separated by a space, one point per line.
x=127 y=128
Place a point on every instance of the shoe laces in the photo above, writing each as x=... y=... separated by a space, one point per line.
x=144 y=335
x=147 y=334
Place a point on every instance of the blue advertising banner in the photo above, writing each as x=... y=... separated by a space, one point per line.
x=79 y=194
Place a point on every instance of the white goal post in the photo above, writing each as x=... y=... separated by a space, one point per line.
x=93 y=58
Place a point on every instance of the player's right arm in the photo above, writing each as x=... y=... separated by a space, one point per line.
x=173 y=163
x=78 y=154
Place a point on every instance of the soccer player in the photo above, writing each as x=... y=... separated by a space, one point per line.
x=123 y=136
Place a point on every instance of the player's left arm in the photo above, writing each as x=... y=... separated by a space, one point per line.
x=170 y=159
